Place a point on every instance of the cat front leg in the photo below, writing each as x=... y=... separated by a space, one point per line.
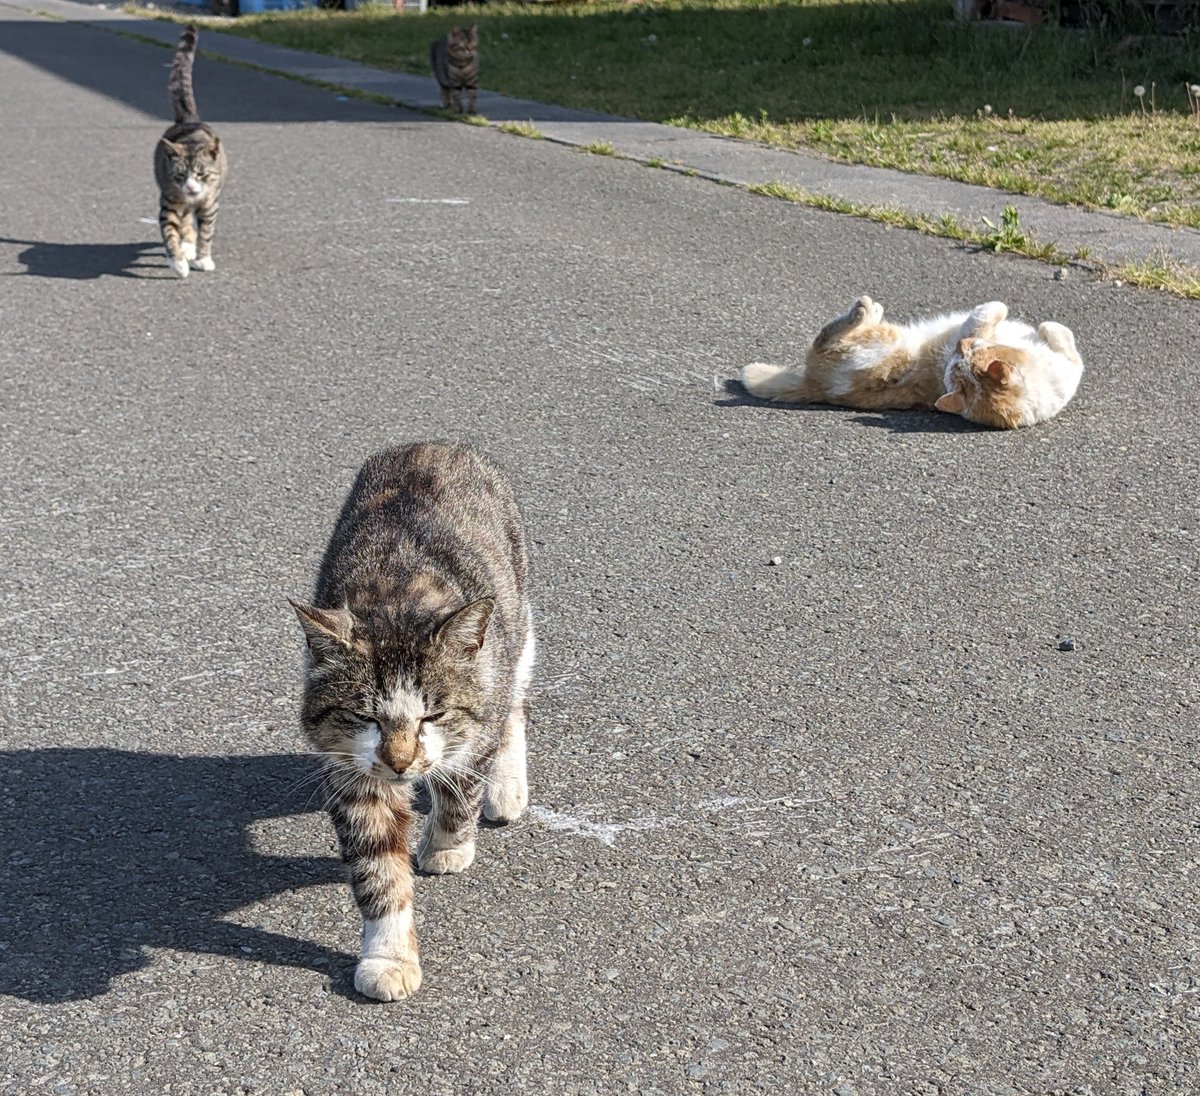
x=507 y=793
x=206 y=226
x=372 y=827
x=982 y=320
x=863 y=311
x=1060 y=339
x=171 y=225
x=448 y=840
x=187 y=233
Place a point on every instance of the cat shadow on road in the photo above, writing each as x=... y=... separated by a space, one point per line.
x=897 y=422
x=85 y=262
x=108 y=853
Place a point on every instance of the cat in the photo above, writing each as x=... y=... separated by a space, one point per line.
x=420 y=653
x=190 y=167
x=979 y=364
x=455 y=61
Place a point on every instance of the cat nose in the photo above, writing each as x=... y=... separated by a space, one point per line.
x=398 y=752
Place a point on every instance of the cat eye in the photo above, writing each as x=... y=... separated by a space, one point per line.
x=434 y=717
x=349 y=716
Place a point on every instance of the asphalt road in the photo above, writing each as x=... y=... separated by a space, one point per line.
x=852 y=823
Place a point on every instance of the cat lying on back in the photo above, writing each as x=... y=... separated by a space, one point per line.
x=978 y=364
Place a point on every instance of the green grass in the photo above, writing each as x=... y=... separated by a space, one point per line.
x=1160 y=272
x=522 y=129
x=600 y=148
x=891 y=83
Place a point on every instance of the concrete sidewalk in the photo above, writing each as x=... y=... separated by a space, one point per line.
x=1108 y=237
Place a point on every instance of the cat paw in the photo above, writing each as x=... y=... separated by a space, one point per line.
x=188 y=249
x=388 y=979
x=447 y=861
x=982 y=321
x=866 y=310
x=206 y=264
x=506 y=800
x=179 y=266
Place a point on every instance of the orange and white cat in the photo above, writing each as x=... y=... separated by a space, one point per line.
x=978 y=364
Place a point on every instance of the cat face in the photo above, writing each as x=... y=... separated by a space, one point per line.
x=394 y=700
x=194 y=170
x=462 y=39
x=986 y=383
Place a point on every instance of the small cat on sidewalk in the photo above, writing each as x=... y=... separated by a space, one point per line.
x=455 y=62
x=978 y=364
x=190 y=167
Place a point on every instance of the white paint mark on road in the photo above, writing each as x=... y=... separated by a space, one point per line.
x=431 y=201
x=743 y=803
x=582 y=826
x=147 y=221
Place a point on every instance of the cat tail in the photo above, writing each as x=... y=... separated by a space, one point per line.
x=774 y=382
x=183 y=100
x=439 y=61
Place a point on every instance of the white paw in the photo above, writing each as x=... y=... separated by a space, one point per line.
x=388 y=979
x=506 y=804
x=986 y=316
x=188 y=249
x=447 y=861
x=206 y=264
x=508 y=795
x=179 y=266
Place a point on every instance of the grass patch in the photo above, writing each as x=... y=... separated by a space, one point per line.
x=1160 y=272
x=600 y=148
x=891 y=83
x=522 y=129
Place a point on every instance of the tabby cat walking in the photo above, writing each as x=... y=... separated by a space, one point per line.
x=190 y=167
x=420 y=652
x=978 y=364
x=455 y=61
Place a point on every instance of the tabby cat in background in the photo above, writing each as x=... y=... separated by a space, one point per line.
x=978 y=364
x=190 y=166
x=420 y=652
x=455 y=61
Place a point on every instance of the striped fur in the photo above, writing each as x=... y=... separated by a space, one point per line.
x=420 y=653
x=455 y=62
x=190 y=167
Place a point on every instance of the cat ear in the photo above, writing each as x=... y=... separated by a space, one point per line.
x=172 y=147
x=951 y=402
x=466 y=628
x=323 y=627
x=214 y=147
x=999 y=371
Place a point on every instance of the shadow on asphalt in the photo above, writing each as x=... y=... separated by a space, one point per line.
x=135 y=73
x=85 y=262
x=108 y=853
x=897 y=422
